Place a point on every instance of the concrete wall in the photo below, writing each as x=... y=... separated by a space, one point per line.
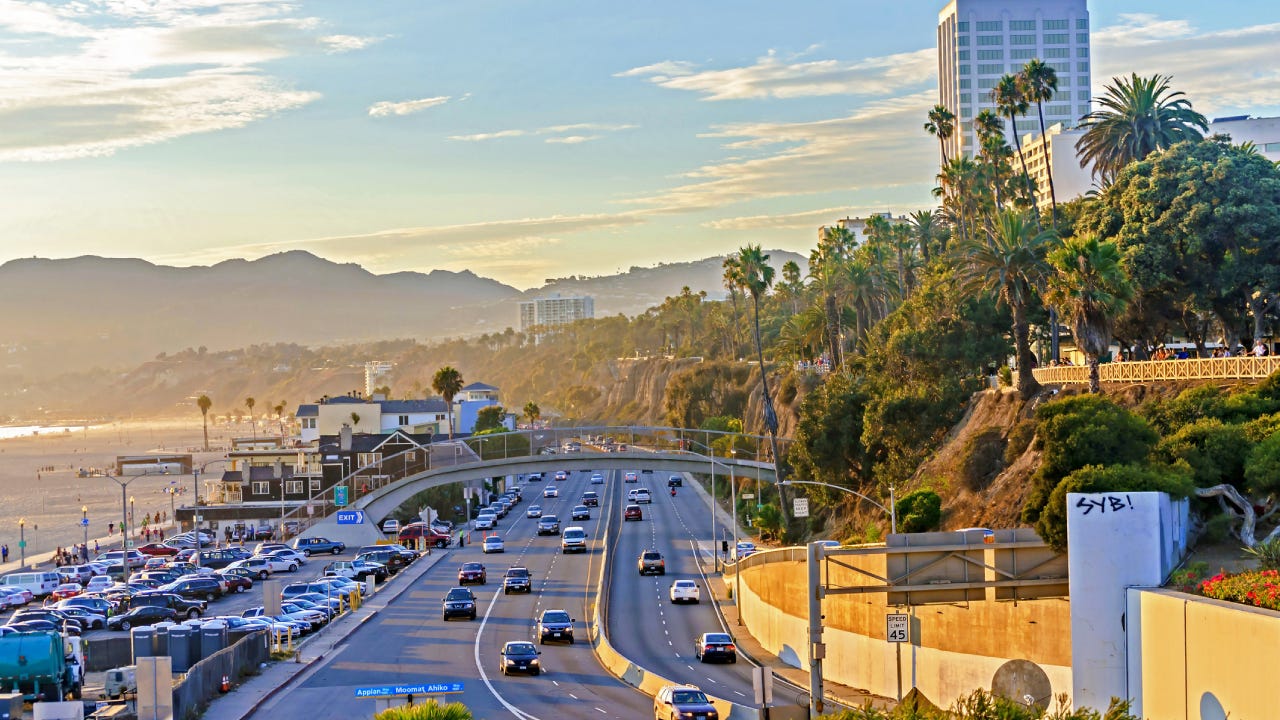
x=954 y=649
x=1192 y=658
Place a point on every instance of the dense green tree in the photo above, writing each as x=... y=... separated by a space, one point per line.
x=490 y=418
x=1215 y=451
x=919 y=511
x=1116 y=478
x=1091 y=288
x=1137 y=116
x=827 y=446
x=533 y=412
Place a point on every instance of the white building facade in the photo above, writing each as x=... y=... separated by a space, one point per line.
x=555 y=310
x=981 y=40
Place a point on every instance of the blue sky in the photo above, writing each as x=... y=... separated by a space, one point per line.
x=521 y=140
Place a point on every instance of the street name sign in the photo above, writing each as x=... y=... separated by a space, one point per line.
x=340 y=495
x=350 y=517
x=382 y=691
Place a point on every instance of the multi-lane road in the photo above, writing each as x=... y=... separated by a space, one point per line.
x=408 y=642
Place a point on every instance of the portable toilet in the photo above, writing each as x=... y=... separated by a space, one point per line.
x=180 y=647
x=193 y=647
x=143 y=640
x=213 y=637
x=161 y=642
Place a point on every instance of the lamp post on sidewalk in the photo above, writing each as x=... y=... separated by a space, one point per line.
x=84 y=523
x=892 y=512
x=22 y=542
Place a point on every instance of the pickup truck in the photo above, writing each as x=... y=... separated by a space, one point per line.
x=314 y=545
x=190 y=609
x=40 y=665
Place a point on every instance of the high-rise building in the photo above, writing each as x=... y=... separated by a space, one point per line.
x=981 y=40
x=555 y=310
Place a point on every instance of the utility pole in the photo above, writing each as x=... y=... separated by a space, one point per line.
x=817 y=649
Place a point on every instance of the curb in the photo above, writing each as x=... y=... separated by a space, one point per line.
x=303 y=667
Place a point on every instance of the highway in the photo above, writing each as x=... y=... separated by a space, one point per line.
x=409 y=643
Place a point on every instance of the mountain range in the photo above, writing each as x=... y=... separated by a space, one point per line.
x=76 y=314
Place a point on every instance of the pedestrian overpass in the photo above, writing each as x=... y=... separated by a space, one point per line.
x=474 y=459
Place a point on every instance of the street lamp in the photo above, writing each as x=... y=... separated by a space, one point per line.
x=737 y=571
x=893 y=516
x=125 y=512
x=131 y=517
x=22 y=541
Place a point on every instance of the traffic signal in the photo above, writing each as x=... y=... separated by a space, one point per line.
x=724 y=546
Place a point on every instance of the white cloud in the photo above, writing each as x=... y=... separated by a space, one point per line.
x=771 y=77
x=387 y=108
x=784 y=221
x=603 y=127
x=571 y=139
x=94 y=78
x=346 y=43
x=480 y=137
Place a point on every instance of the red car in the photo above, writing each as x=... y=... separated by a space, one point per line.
x=472 y=572
x=158 y=549
x=66 y=590
x=632 y=513
x=235 y=583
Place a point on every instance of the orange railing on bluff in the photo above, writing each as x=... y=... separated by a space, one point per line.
x=1229 y=368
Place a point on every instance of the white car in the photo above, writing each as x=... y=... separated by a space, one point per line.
x=494 y=544
x=550 y=492
x=631 y=477
x=282 y=560
x=99 y=583
x=261 y=566
x=485 y=521
x=534 y=511
x=643 y=496
x=744 y=549
x=14 y=596
x=684 y=591
x=89 y=619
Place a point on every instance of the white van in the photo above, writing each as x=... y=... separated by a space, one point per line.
x=39 y=584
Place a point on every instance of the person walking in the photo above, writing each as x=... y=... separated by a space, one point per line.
x=96 y=551
x=4 y=553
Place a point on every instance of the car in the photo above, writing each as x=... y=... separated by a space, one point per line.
x=683 y=591
x=555 y=625
x=485 y=521
x=357 y=570
x=155 y=562
x=66 y=590
x=643 y=497
x=744 y=549
x=88 y=619
x=548 y=525
x=263 y=548
x=561 y=475
x=631 y=477
x=550 y=492
x=194 y=588
x=94 y=605
x=520 y=656
x=190 y=609
x=286 y=554
x=534 y=511
x=142 y=615
x=493 y=544
x=498 y=509
x=99 y=583
x=675 y=481
x=580 y=512
x=833 y=544
x=261 y=567
x=472 y=572
x=597 y=479
x=390 y=526
x=115 y=557
x=319 y=585
x=50 y=614
x=632 y=512
x=683 y=702
x=533 y=477
x=316 y=545
x=591 y=499
x=426 y=534
x=160 y=549
x=516 y=579
x=15 y=596
x=650 y=561
x=713 y=646
x=574 y=540
x=235 y=583
x=622 y=447
x=459 y=602
x=79 y=574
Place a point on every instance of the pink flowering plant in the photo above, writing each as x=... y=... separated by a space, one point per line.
x=1260 y=588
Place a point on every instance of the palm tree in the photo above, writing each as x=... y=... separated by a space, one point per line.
x=942 y=123
x=447 y=382
x=961 y=197
x=1137 y=117
x=355 y=419
x=1008 y=96
x=1011 y=263
x=826 y=269
x=924 y=231
x=791 y=284
x=1092 y=288
x=533 y=412
x=204 y=403
x=279 y=411
x=1039 y=82
x=733 y=283
x=757 y=277
x=249 y=403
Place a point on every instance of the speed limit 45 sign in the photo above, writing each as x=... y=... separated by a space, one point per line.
x=897 y=627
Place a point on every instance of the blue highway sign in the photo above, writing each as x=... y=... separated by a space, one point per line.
x=350 y=517
x=381 y=691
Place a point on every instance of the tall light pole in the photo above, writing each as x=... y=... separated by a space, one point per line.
x=124 y=511
x=737 y=571
x=22 y=541
x=893 y=516
x=131 y=517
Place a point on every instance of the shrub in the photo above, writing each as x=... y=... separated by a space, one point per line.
x=1261 y=428
x=1215 y=451
x=1267 y=553
x=1217 y=528
x=1188 y=579
x=1052 y=526
x=1259 y=589
x=1262 y=469
x=1006 y=376
x=1189 y=406
x=980 y=458
x=1018 y=440
x=919 y=511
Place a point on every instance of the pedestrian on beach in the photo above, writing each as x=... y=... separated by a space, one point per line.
x=111 y=528
x=95 y=547
x=4 y=553
x=57 y=557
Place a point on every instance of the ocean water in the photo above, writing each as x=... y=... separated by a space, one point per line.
x=16 y=431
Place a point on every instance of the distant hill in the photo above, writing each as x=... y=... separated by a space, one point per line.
x=89 y=312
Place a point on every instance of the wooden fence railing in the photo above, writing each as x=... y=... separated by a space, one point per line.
x=1230 y=368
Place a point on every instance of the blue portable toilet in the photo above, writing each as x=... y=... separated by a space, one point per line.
x=160 y=643
x=213 y=637
x=180 y=647
x=142 y=639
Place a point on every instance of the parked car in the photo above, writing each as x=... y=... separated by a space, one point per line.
x=183 y=607
x=459 y=602
x=357 y=569
x=683 y=591
x=472 y=572
x=235 y=583
x=79 y=574
x=516 y=579
x=194 y=588
x=88 y=619
x=681 y=702
x=95 y=605
x=288 y=555
x=744 y=549
x=260 y=567
x=134 y=558
x=316 y=545
x=66 y=590
x=520 y=656
x=142 y=615
x=99 y=583
x=156 y=548
x=715 y=646
x=632 y=512
x=555 y=625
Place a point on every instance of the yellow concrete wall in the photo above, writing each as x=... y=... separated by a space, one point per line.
x=958 y=647
x=1205 y=659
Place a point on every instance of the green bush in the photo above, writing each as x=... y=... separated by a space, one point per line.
x=1262 y=469
x=980 y=458
x=1187 y=407
x=1215 y=451
x=1006 y=376
x=1018 y=440
x=1267 y=553
x=984 y=705
x=429 y=710
x=919 y=511
x=1261 y=428
x=1052 y=526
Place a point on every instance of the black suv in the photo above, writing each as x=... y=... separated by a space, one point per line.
x=675 y=481
x=516 y=580
x=194 y=588
x=459 y=602
x=555 y=625
x=139 y=616
x=183 y=607
x=591 y=499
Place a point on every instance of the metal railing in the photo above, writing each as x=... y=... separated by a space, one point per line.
x=1228 y=368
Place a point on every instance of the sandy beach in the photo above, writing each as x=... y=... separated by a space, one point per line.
x=51 y=499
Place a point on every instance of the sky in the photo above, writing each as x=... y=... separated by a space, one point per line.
x=520 y=139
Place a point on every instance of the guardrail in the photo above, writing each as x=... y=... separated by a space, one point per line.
x=1230 y=368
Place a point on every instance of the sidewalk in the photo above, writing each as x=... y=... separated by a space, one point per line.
x=44 y=560
x=247 y=697
x=754 y=651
